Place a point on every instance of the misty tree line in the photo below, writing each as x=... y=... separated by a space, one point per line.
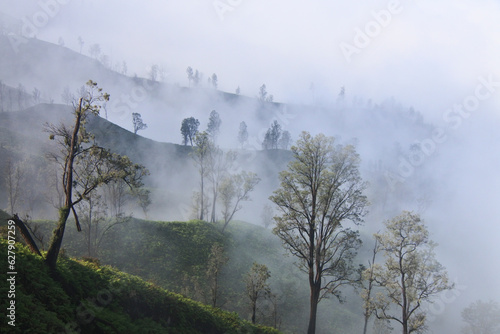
x=220 y=181
x=18 y=98
x=275 y=137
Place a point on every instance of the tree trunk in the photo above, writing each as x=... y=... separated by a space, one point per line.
x=202 y=195
x=55 y=244
x=315 y=290
x=254 y=310
x=25 y=233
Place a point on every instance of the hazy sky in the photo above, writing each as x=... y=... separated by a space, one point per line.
x=376 y=49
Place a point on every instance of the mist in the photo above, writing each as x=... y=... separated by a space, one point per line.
x=421 y=86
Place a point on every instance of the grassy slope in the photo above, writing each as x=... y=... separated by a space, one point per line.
x=100 y=299
x=173 y=255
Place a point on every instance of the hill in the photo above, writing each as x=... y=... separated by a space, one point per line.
x=91 y=298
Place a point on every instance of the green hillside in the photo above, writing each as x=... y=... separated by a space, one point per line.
x=90 y=298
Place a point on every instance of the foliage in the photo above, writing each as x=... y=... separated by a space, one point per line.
x=320 y=190
x=410 y=274
x=243 y=133
x=256 y=285
x=272 y=136
x=233 y=190
x=189 y=129
x=481 y=318
x=85 y=165
x=138 y=123
x=213 y=127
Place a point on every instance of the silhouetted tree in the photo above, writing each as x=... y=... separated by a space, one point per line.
x=243 y=133
x=214 y=80
x=285 y=140
x=189 y=129
x=190 y=75
x=272 y=136
x=214 y=123
x=138 y=123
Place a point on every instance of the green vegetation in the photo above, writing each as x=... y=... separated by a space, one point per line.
x=99 y=299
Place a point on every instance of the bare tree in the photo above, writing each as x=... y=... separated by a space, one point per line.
x=233 y=190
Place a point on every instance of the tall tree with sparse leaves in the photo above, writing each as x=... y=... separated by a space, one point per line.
x=410 y=274
x=85 y=165
x=321 y=190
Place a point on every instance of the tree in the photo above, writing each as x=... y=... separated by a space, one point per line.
x=410 y=275
x=243 y=133
x=214 y=80
x=189 y=129
x=285 y=140
x=189 y=72
x=36 y=94
x=197 y=78
x=321 y=190
x=238 y=90
x=214 y=123
x=138 y=123
x=95 y=50
x=233 y=190
x=85 y=165
x=81 y=43
x=216 y=260
x=367 y=291
x=481 y=318
x=267 y=215
x=272 y=136
x=201 y=155
x=67 y=97
x=263 y=96
x=219 y=165
x=257 y=286
x=153 y=72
